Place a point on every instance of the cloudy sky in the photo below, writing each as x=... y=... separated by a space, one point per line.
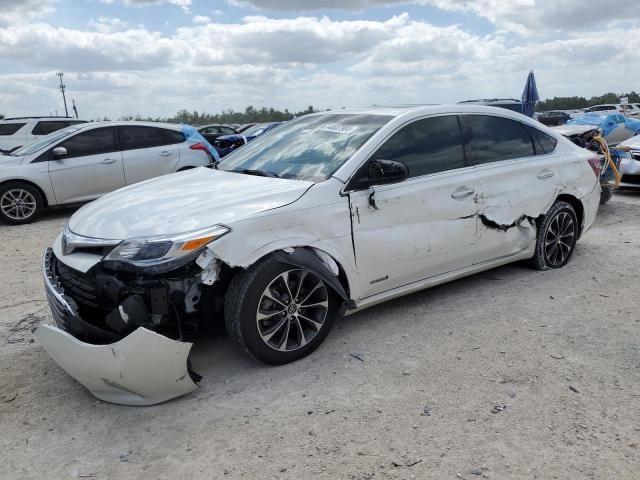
x=155 y=57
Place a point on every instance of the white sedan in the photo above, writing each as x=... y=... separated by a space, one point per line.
x=83 y=162
x=331 y=212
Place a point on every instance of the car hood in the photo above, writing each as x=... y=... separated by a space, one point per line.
x=183 y=202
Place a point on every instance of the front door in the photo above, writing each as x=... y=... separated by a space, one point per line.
x=91 y=167
x=425 y=225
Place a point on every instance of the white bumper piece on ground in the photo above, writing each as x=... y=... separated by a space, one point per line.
x=144 y=368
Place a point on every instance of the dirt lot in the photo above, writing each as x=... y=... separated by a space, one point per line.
x=508 y=374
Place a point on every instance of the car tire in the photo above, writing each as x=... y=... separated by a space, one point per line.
x=260 y=316
x=606 y=195
x=20 y=203
x=556 y=237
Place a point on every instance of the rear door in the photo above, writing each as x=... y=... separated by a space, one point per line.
x=425 y=225
x=91 y=168
x=149 y=151
x=517 y=181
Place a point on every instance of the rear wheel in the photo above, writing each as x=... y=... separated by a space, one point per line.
x=556 y=237
x=279 y=313
x=20 y=203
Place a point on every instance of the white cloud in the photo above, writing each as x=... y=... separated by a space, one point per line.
x=525 y=16
x=200 y=19
x=116 y=69
x=23 y=11
x=108 y=24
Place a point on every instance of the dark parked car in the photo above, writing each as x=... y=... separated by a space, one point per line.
x=212 y=132
x=553 y=117
x=228 y=143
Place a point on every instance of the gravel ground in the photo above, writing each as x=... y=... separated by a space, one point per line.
x=508 y=374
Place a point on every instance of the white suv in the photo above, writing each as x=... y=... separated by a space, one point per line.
x=83 y=162
x=17 y=132
x=331 y=212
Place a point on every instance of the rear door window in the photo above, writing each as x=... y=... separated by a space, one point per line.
x=134 y=138
x=494 y=139
x=426 y=146
x=10 y=128
x=91 y=142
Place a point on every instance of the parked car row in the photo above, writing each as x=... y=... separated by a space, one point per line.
x=84 y=161
x=17 y=132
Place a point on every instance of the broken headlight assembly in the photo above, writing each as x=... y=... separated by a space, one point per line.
x=162 y=254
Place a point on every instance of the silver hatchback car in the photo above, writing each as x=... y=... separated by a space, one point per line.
x=83 y=162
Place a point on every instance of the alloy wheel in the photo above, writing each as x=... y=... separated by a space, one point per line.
x=18 y=204
x=560 y=239
x=292 y=310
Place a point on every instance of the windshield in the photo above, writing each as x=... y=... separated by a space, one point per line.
x=45 y=141
x=311 y=148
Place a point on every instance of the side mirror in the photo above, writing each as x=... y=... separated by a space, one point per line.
x=59 y=152
x=383 y=172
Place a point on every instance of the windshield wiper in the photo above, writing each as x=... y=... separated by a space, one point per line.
x=259 y=173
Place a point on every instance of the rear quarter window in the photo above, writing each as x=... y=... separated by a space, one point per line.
x=542 y=142
x=10 y=128
x=171 y=137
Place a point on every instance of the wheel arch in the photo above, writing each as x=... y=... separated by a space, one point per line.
x=30 y=183
x=311 y=258
x=577 y=206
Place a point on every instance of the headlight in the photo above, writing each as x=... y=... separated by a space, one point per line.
x=162 y=254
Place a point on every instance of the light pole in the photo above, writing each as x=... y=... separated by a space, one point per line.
x=62 y=87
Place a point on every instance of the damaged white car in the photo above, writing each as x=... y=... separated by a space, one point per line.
x=326 y=215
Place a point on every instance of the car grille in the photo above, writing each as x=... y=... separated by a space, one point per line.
x=81 y=286
x=64 y=309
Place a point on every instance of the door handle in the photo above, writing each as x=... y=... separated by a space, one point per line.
x=463 y=192
x=165 y=154
x=108 y=161
x=545 y=174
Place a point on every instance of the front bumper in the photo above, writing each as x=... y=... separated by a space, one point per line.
x=143 y=368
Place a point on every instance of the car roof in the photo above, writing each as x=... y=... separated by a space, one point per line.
x=132 y=123
x=419 y=110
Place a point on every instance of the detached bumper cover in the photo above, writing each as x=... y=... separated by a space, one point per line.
x=143 y=368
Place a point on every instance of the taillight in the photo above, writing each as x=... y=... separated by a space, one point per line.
x=595 y=165
x=200 y=146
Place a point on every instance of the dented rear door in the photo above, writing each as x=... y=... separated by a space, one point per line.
x=515 y=186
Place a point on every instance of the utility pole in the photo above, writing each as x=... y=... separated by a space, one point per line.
x=73 y=102
x=62 y=87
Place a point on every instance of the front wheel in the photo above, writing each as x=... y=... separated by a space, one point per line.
x=279 y=313
x=556 y=237
x=20 y=203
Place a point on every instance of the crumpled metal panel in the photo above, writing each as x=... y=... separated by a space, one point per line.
x=144 y=368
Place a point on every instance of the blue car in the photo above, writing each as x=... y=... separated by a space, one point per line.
x=228 y=143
